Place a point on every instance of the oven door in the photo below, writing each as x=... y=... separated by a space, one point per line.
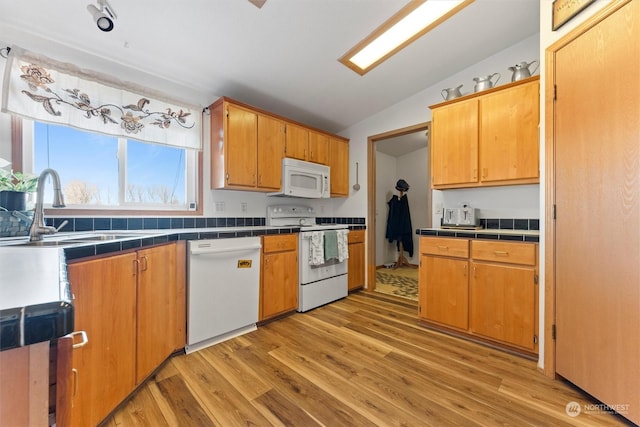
x=313 y=273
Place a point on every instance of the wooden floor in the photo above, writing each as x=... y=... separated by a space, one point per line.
x=362 y=361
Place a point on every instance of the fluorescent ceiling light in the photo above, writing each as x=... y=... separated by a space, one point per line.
x=411 y=22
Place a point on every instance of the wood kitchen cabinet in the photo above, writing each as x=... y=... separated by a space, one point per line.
x=279 y=278
x=482 y=289
x=297 y=142
x=339 y=164
x=318 y=147
x=131 y=307
x=488 y=138
x=104 y=293
x=356 y=263
x=443 y=293
x=503 y=292
x=245 y=146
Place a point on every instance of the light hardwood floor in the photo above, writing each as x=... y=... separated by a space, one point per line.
x=362 y=361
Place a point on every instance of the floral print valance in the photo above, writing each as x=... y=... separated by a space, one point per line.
x=42 y=89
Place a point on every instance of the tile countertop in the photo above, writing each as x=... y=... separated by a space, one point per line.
x=532 y=236
x=35 y=296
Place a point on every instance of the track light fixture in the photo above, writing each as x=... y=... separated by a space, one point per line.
x=103 y=20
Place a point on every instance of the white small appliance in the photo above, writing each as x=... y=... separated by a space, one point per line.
x=465 y=216
x=304 y=179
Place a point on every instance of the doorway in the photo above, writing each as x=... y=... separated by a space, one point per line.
x=395 y=143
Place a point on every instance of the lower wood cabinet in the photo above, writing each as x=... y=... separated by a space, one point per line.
x=279 y=278
x=481 y=288
x=130 y=306
x=356 y=267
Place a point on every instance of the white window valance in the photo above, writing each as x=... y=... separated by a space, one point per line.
x=46 y=90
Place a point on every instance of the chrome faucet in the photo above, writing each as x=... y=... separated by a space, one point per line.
x=38 y=228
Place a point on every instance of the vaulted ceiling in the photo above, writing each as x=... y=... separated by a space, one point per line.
x=281 y=57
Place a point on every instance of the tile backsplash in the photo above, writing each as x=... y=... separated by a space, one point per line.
x=155 y=223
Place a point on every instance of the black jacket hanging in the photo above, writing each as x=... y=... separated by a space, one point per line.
x=399 y=223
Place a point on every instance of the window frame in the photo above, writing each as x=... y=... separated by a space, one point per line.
x=18 y=158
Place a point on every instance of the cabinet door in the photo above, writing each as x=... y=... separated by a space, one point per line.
x=503 y=303
x=156 y=316
x=279 y=286
x=454 y=143
x=241 y=146
x=355 y=266
x=318 y=148
x=443 y=290
x=270 y=152
x=339 y=163
x=509 y=134
x=105 y=308
x=297 y=142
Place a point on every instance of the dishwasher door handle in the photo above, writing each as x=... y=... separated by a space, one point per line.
x=209 y=250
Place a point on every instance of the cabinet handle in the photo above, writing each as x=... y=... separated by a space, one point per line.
x=474 y=271
x=484 y=173
x=475 y=174
x=136 y=266
x=83 y=336
x=145 y=263
x=443 y=248
x=74 y=371
x=501 y=253
x=465 y=270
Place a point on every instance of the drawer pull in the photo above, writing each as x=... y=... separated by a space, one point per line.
x=83 y=336
x=443 y=248
x=501 y=253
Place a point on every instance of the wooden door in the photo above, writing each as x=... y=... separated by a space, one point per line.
x=444 y=290
x=105 y=308
x=318 y=148
x=509 y=133
x=241 y=146
x=297 y=142
x=502 y=303
x=156 y=308
x=339 y=164
x=597 y=198
x=270 y=152
x=454 y=143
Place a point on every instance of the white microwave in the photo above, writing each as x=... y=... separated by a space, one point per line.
x=304 y=179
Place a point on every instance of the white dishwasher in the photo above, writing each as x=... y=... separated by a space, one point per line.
x=223 y=290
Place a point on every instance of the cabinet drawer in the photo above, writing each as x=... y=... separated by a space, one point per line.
x=284 y=242
x=444 y=246
x=509 y=252
x=356 y=236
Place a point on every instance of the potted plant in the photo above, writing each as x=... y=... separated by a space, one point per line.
x=14 y=187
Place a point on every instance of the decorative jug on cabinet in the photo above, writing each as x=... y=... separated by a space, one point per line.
x=451 y=93
x=483 y=83
x=521 y=70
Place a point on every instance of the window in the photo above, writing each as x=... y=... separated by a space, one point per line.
x=105 y=172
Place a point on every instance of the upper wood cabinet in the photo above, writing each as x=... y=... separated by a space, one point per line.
x=297 y=142
x=339 y=163
x=488 y=138
x=318 y=147
x=245 y=145
x=248 y=145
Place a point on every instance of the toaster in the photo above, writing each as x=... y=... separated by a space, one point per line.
x=461 y=217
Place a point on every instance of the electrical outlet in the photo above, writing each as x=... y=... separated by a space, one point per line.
x=438 y=209
x=243 y=207
x=219 y=206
